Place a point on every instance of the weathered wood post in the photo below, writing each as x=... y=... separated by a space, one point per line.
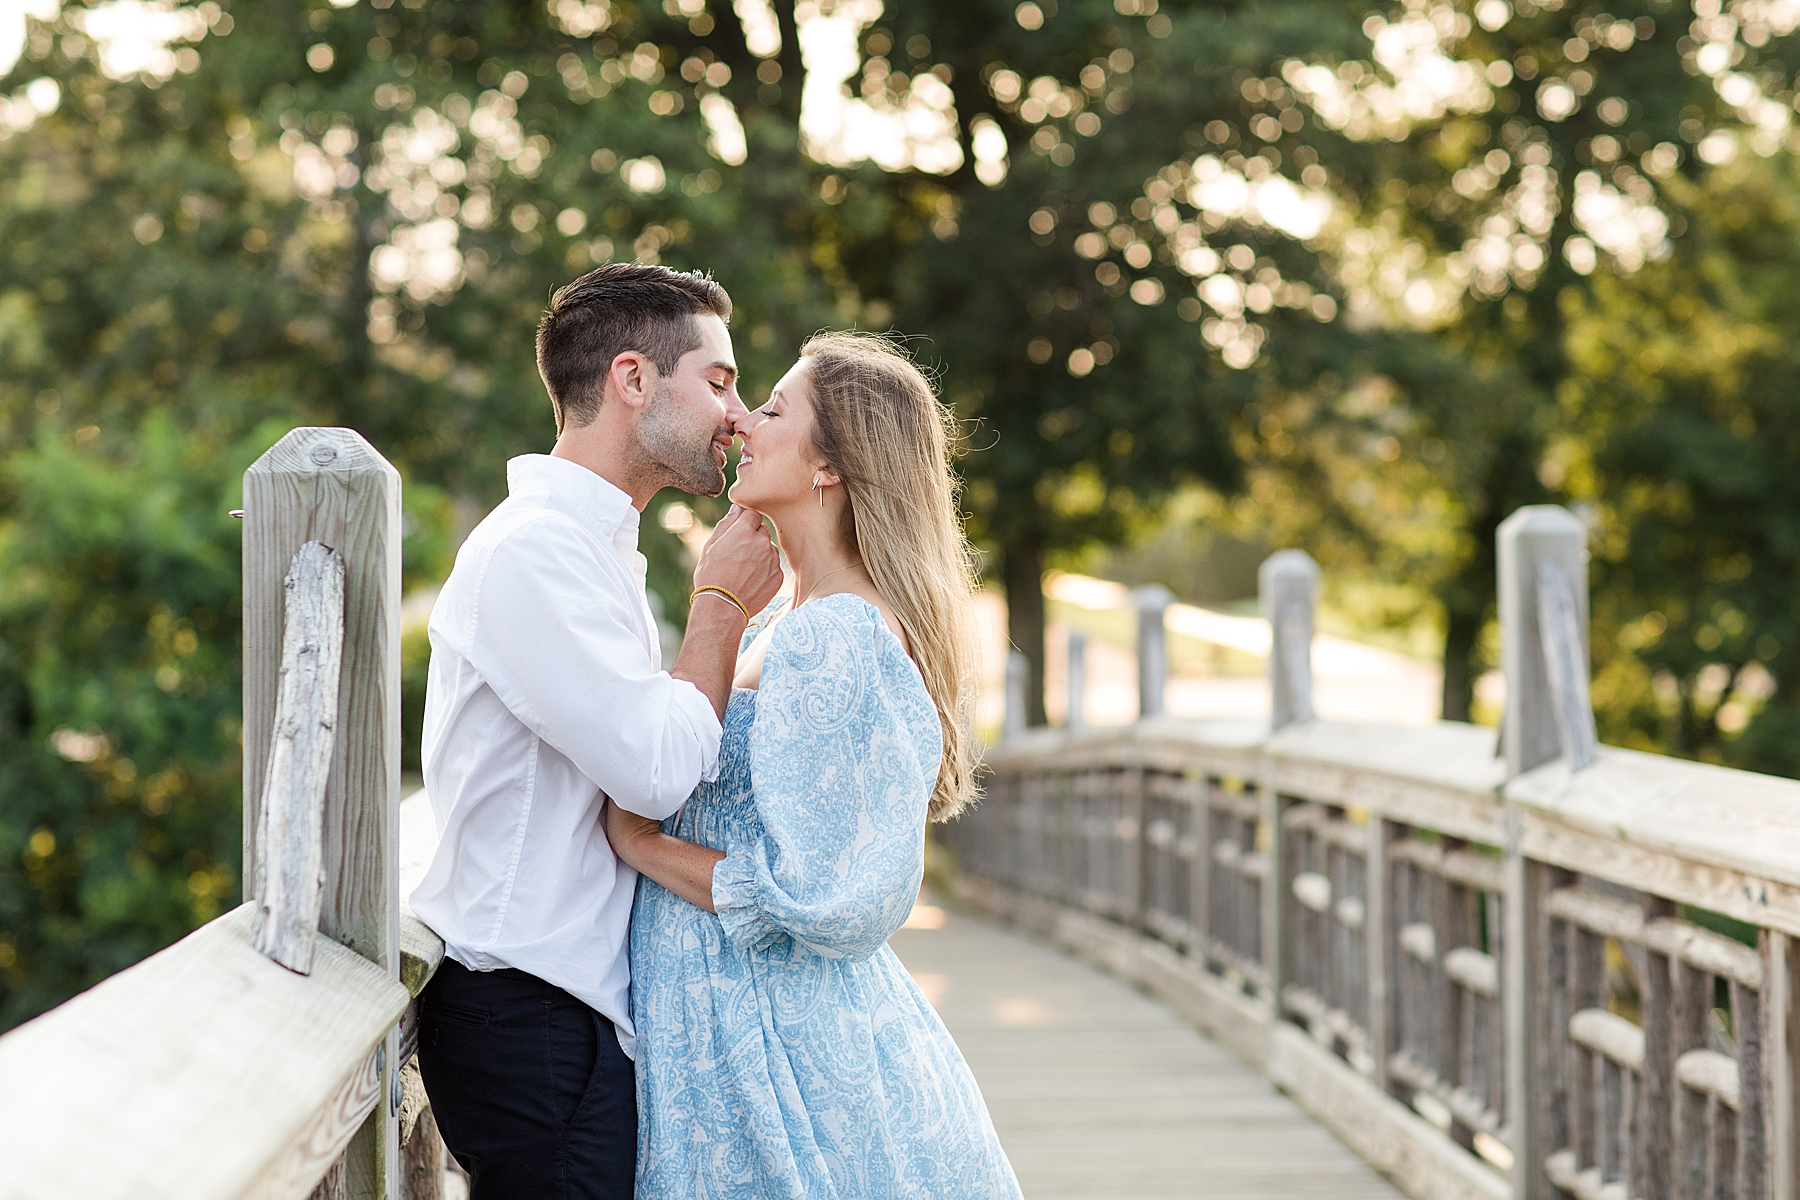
x=1018 y=675
x=1536 y=541
x=1542 y=557
x=1077 y=672
x=1151 y=603
x=1287 y=586
x=330 y=486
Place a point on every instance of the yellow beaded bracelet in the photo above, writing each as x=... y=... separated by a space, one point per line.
x=723 y=592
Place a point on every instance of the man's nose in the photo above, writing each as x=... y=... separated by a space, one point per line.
x=735 y=413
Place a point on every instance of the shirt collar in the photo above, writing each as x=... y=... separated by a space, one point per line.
x=570 y=487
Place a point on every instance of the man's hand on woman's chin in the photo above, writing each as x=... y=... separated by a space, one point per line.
x=623 y=829
x=741 y=557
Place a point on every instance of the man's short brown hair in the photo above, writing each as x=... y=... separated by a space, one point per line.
x=613 y=309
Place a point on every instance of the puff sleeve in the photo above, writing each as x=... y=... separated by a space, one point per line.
x=844 y=754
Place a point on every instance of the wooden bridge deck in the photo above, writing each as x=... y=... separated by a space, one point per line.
x=1099 y=1091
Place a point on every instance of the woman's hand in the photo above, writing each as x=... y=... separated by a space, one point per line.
x=626 y=831
x=682 y=867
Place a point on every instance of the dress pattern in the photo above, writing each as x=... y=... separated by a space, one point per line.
x=784 y=1051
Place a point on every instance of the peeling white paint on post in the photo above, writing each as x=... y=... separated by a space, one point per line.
x=1288 y=588
x=290 y=835
x=1018 y=673
x=1536 y=535
x=1566 y=664
x=1151 y=603
x=1077 y=673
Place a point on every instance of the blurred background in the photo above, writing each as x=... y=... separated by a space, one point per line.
x=1203 y=281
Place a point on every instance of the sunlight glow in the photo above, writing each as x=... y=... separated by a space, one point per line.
x=137 y=37
x=13 y=14
x=915 y=128
x=724 y=132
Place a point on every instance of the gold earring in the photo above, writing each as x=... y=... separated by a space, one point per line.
x=818 y=481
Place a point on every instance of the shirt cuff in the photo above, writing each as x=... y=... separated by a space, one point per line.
x=692 y=701
x=736 y=894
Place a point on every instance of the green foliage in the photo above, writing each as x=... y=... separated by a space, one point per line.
x=353 y=216
x=119 y=702
x=1681 y=434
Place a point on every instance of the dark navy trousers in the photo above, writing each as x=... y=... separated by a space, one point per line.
x=530 y=1089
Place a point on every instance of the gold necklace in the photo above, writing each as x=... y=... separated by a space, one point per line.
x=822 y=579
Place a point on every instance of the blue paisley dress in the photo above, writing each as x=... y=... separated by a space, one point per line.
x=784 y=1052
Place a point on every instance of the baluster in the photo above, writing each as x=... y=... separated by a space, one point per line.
x=1653 y=1135
x=1586 y=979
x=1199 y=798
x=1747 y=1024
x=1724 y=1151
x=1693 y=1125
x=1778 y=951
x=1610 y=1118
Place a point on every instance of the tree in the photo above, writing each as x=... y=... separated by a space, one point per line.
x=1682 y=440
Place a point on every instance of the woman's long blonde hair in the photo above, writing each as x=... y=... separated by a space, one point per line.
x=879 y=424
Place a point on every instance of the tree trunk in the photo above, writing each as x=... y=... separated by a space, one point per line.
x=1461 y=629
x=1022 y=573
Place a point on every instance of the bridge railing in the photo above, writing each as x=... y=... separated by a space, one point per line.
x=267 y=1054
x=1519 y=966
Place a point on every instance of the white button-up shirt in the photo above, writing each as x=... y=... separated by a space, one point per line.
x=546 y=690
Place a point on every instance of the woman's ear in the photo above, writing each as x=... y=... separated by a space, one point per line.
x=826 y=477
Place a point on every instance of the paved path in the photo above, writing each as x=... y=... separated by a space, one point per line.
x=1099 y=1091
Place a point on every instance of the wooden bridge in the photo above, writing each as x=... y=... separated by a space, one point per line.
x=1539 y=968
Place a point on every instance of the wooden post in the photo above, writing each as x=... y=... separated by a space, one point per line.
x=1018 y=674
x=1077 y=673
x=1533 y=536
x=1151 y=603
x=1534 y=1026
x=330 y=486
x=1288 y=587
x=1531 y=735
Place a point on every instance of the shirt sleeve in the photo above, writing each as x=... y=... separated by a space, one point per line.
x=555 y=635
x=843 y=757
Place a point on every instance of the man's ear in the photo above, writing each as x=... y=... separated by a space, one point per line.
x=630 y=379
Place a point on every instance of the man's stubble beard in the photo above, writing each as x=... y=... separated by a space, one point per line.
x=683 y=453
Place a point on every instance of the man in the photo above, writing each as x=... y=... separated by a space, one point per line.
x=546 y=695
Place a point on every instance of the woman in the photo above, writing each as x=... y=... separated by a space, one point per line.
x=785 y=1052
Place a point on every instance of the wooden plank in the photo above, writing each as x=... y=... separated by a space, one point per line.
x=189 y=1075
x=1097 y=1090
x=330 y=486
x=1379 y=1128
x=318 y=1148
x=1640 y=806
x=1757 y=901
x=289 y=833
x=1441 y=776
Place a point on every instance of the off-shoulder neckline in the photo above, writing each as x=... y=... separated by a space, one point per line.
x=790 y=608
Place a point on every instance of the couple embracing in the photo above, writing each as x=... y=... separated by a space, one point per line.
x=744 y=1031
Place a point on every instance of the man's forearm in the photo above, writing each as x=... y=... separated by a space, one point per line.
x=708 y=657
